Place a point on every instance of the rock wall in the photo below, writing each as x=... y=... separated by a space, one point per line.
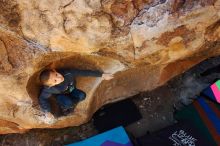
x=144 y=43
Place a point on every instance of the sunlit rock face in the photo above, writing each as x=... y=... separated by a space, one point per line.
x=144 y=43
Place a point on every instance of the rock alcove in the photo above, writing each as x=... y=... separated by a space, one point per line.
x=77 y=61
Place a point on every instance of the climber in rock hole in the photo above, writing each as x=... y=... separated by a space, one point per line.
x=62 y=84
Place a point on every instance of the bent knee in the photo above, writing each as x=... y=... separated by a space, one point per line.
x=82 y=96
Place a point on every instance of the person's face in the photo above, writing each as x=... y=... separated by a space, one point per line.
x=55 y=78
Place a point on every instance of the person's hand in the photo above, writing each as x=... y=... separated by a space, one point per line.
x=107 y=76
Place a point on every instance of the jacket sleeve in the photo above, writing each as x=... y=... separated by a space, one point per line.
x=77 y=72
x=44 y=101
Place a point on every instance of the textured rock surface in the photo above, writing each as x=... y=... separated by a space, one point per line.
x=143 y=42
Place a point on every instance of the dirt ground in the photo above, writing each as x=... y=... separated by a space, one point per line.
x=156 y=107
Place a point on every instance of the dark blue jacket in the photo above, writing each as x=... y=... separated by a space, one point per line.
x=69 y=79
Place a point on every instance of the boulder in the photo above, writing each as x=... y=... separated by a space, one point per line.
x=144 y=43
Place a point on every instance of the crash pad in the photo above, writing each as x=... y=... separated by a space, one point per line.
x=205 y=114
x=213 y=91
x=114 y=137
